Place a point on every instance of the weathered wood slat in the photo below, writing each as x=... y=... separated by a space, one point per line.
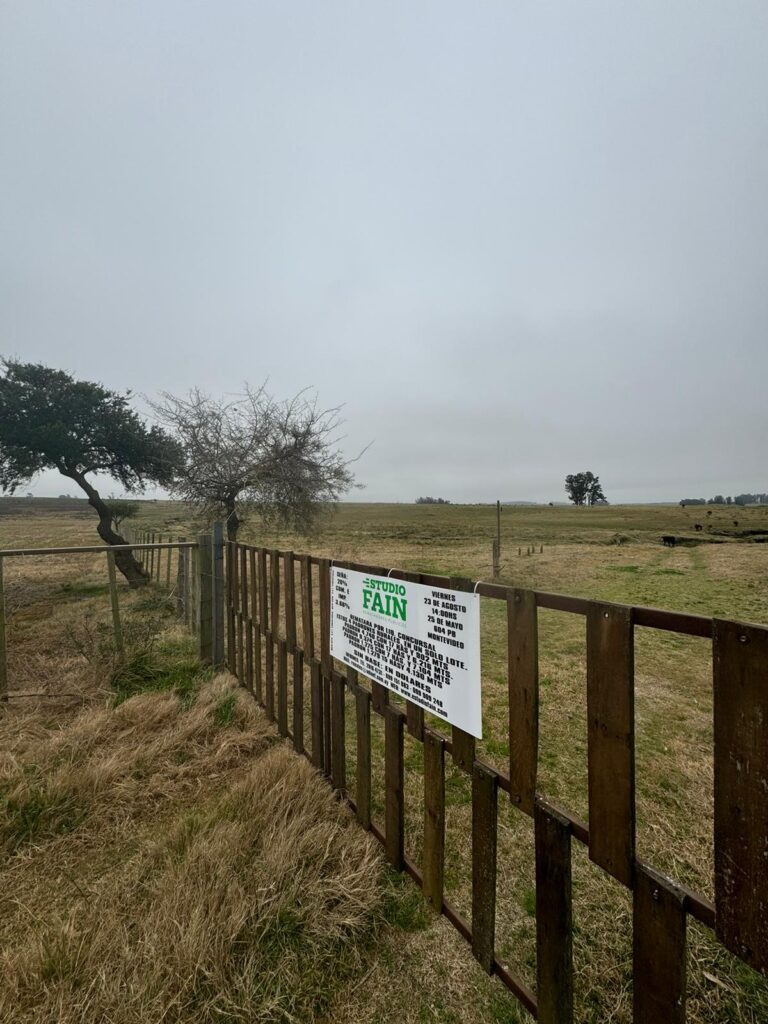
x=254 y=579
x=523 y=678
x=338 y=744
x=325 y=616
x=554 y=916
x=658 y=977
x=327 y=738
x=257 y=664
x=318 y=730
x=298 y=700
x=263 y=592
x=379 y=696
x=434 y=818
x=484 y=811
x=282 y=687
x=180 y=579
x=290 y=599
x=611 y=739
x=462 y=749
x=307 y=609
x=243 y=581
x=229 y=596
x=249 y=655
x=363 y=769
x=274 y=603
x=414 y=716
x=394 y=787
x=206 y=597
x=740 y=662
x=269 y=676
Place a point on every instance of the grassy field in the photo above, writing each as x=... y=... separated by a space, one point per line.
x=613 y=553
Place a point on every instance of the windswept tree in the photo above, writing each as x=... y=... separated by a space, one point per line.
x=584 y=489
x=49 y=420
x=250 y=453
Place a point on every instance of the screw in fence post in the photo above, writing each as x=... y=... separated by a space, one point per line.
x=205 y=592
x=180 y=578
x=115 y=605
x=3 y=655
x=217 y=609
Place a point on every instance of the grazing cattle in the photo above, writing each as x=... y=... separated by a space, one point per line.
x=668 y=540
x=698 y=527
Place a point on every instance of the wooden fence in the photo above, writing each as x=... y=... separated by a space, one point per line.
x=273 y=609
x=278 y=612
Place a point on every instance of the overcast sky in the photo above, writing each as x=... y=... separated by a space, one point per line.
x=516 y=240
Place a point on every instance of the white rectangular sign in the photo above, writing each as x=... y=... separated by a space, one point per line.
x=419 y=641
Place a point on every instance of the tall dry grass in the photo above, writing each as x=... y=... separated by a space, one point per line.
x=164 y=862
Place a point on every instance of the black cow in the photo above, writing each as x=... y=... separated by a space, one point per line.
x=668 y=540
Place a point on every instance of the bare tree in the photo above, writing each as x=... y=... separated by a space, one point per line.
x=250 y=453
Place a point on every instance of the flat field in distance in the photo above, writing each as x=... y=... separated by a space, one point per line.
x=611 y=553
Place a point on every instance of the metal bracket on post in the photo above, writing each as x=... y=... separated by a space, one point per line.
x=218 y=595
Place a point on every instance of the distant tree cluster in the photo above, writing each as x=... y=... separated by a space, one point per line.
x=432 y=501
x=740 y=499
x=585 y=489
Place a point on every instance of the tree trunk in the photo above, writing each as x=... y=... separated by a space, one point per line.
x=124 y=560
x=233 y=522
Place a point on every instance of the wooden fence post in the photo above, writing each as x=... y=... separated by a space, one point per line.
x=169 y=553
x=363 y=769
x=740 y=657
x=159 y=556
x=658 y=946
x=611 y=739
x=217 y=595
x=116 y=625
x=523 y=684
x=484 y=812
x=393 y=786
x=3 y=649
x=180 y=578
x=554 y=916
x=434 y=818
x=205 y=590
x=298 y=701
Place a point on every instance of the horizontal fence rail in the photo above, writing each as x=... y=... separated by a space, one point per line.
x=264 y=607
x=181 y=581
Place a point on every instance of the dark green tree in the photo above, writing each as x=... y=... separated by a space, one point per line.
x=49 y=420
x=584 y=489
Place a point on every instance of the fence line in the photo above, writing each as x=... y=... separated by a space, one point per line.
x=242 y=600
x=149 y=554
x=261 y=613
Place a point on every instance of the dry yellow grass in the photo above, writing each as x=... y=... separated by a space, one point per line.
x=180 y=866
